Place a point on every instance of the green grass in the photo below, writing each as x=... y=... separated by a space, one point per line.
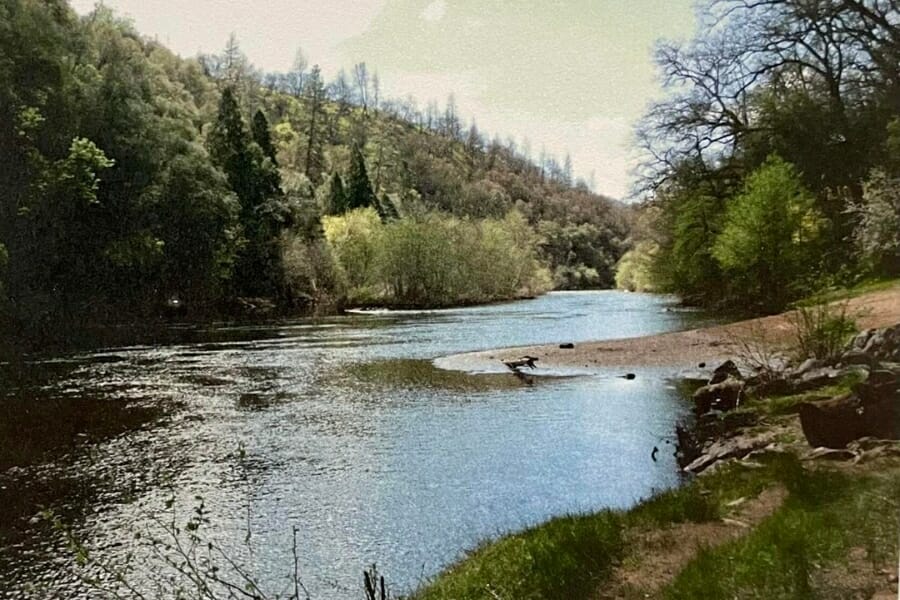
x=784 y=405
x=864 y=287
x=826 y=514
x=570 y=557
x=563 y=558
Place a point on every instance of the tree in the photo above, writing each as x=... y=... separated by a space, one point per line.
x=359 y=188
x=337 y=196
x=256 y=183
x=262 y=135
x=769 y=233
x=877 y=233
x=315 y=101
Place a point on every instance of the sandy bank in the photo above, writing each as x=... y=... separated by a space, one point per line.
x=677 y=350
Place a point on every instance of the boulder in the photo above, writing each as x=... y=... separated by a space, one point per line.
x=816 y=378
x=724 y=371
x=832 y=423
x=871 y=410
x=724 y=395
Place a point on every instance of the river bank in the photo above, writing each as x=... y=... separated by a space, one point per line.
x=767 y=515
x=678 y=350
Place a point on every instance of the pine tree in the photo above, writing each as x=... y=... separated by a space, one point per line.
x=315 y=99
x=359 y=188
x=256 y=183
x=263 y=136
x=337 y=196
x=386 y=208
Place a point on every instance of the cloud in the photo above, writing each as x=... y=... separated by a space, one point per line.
x=435 y=11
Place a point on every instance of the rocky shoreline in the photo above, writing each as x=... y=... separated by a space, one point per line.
x=862 y=420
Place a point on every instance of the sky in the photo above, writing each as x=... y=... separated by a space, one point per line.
x=567 y=75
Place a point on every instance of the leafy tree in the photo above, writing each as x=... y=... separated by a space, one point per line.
x=766 y=243
x=359 y=188
x=877 y=234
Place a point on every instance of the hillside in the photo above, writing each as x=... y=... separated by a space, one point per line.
x=139 y=183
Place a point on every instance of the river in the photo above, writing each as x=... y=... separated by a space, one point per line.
x=341 y=427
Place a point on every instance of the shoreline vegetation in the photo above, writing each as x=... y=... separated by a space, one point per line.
x=142 y=185
x=766 y=514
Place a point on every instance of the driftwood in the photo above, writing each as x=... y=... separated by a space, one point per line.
x=525 y=361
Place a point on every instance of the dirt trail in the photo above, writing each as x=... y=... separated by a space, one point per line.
x=682 y=349
x=658 y=555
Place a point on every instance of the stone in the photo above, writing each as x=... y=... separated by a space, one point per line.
x=830 y=454
x=831 y=423
x=567 y=346
x=856 y=357
x=808 y=365
x=724 y=395
x=736 y=447
x=724 y=371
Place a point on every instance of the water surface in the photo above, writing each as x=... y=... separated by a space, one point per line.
x=341 y=427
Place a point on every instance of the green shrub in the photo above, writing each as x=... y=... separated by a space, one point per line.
x=822 y=330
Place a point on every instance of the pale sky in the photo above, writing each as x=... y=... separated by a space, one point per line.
x=568 y=75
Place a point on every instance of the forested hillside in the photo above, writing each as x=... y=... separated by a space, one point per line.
x=773 y=165
x=135 y=181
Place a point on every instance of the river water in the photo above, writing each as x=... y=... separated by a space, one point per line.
x=341 y=427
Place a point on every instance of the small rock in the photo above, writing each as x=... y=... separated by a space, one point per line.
x=567 y=346
x=808 y=365
x=830 y=454
x=856 y=357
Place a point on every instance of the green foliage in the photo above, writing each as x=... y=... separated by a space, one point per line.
x=263 y=136
x=435 y=259
x=822 y=330
x=766 y=245
x=634 y=271
x=132 y=175
x=359 y=188
x=337 y=196
x=825 y=516
x=256 y=182
x=563 y=558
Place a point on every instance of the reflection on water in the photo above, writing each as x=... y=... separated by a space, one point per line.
x=341 y=426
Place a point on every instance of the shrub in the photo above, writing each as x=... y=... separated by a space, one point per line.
x=765 y=248
x=822 y=330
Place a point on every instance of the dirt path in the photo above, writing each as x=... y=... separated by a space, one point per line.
x=658 y=555
x=682 y=349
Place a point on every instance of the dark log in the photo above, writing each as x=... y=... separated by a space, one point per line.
x=525 y=361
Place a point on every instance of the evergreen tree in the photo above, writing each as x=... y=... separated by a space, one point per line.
x=359 y=188
x=386 y=208
x=257 y=185
x=263 y=136
x=315 y=133
x=337 y=196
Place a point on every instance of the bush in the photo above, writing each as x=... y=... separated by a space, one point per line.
x=877 y=234
x=766 y=246
x=822 y=330
x=435 y=259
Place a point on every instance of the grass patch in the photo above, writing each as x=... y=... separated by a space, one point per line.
x=570 y=557
x=563 y=558
x=836 y=294
x=826 y=514
x=785 y=405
